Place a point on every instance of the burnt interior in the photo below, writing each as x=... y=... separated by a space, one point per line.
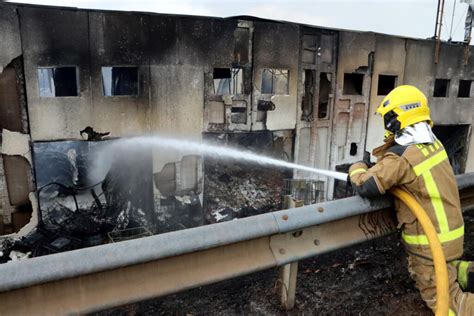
x=120 y=81
x=441 y=88
x=16 y=178
x=464 y=90
x=325 y=82
x=386 y=84
x=455 y=140
x=353 y=83
x=58 y=82
x=237 y=189
x=308 y=95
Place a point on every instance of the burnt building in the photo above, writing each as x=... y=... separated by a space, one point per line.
x=311 y=90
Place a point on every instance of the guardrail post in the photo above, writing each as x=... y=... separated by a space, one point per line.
x=288 y=273
x=287 y=284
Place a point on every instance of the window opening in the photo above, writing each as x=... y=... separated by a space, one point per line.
x=309 y=48
x=238 y=115
x=386 y=84
x=441 y=88
x=455 y=139
x=324 y=94
x=275 y=81
x=228 y=81
x=307 y=100
x=325 y=49
x=58 y=82
x=353 y=150
x=238 y=110
x=353 y=83
x=120 y=81
x=241 y=45
x=464 y=89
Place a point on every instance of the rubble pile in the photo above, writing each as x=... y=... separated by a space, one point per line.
x=63 y=227
x=234 y=189
x=74 y=217
x=178 y=212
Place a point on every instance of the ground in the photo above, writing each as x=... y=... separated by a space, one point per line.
x=370 y=278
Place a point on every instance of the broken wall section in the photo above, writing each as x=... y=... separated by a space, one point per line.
x=275 y=76
x=17 y=205
x=354 y=75
x=228 y=85
x=316 y=90
x=16 y=178
x=14 y=170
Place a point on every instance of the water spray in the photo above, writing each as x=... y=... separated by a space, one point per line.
x=209 y=150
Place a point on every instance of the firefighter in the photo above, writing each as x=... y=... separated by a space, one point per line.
x=414 y=159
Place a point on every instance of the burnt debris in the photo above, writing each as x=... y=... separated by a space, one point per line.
x=93 y=135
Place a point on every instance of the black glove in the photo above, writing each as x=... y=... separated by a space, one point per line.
x=367 y=161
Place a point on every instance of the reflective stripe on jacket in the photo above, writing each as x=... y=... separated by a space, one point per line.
x=424 y=171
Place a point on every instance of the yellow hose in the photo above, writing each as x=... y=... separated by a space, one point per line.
x=441 y=271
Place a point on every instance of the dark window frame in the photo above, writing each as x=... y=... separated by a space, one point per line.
x=40 y=80
x=441 y=88
x=382 y=90
x=233 y=83
x=324 y=108
x=272 y=72
x=461 y=89
x=137 y=88
x=355 y=84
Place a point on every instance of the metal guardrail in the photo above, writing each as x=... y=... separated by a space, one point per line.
x=101 y=277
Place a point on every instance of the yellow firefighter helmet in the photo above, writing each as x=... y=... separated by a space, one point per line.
x=402 y=107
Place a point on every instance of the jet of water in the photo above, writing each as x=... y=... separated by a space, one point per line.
x=206 y=149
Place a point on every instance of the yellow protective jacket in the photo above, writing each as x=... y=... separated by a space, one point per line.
x=424 y=171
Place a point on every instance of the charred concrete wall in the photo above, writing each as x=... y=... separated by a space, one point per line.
x=275 y=53
x=442 y=83
x=16 y=178
x=316 y=88
x=353 y=80
x=389 y=66
x=423 y=72
x=354 y=69
x=47 y=45
x=447 y=85
x=133 y=73
x=10 y=45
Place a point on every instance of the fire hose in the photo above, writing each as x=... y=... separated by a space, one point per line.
x=441 y=271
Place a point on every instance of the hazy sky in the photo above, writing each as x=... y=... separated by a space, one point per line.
x=413 y=18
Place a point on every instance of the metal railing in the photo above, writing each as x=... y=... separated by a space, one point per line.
x=104 y=276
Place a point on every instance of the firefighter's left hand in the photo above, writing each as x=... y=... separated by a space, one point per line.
x=367 y=161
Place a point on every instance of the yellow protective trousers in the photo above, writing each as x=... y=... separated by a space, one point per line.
x=424 y=171
x=422 y=272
